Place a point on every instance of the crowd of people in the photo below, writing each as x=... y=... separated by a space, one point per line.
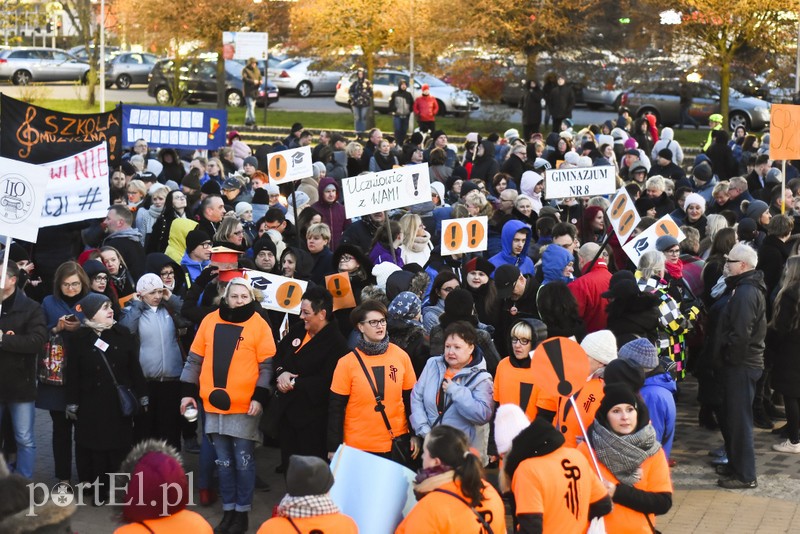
x=125 y=328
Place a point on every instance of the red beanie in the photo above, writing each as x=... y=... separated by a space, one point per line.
x=158 y=487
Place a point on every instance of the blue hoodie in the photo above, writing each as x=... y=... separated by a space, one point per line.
x=506 y=256
x=554 y=260
x=658 y=394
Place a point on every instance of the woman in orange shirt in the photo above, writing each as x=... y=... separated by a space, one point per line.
x=452 y=495
x=514 y=382
x=633 y=464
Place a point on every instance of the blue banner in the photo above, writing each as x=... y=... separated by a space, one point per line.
x=174 y=127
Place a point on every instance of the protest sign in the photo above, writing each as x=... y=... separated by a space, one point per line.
x=561 y=366
x=469 y=234
x=784 y=132
x=38 y=135
x=77 y=187
x=244 y=45
x=202 y=129
x=290 y=165
x=22 y=193
x=280 y=293
x=623 y=215
x=386 y=190
x=339 y=286
x=580 y=182
x=646 y=241
x=356 y=476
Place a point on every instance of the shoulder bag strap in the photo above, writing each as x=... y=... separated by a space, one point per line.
x=447 y=405
x=294 y=526
x=102 y=355
x=481 y=519
x=379 y=407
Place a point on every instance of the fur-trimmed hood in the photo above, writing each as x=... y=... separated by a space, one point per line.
x=14 y=502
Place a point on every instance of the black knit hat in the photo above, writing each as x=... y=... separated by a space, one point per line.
x=458 y=306
x=192 y=181
x=260 y=197
x=264 y=243
x=195 y=238
x=624 y=372
x=211 y=187
x=94 y=267
x=479 y=263
x=89 y=305
x=620 y=393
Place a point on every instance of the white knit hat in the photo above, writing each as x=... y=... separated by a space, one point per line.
x=600 y=346
x=149 y=282
x=508 y=423
x=694 y=198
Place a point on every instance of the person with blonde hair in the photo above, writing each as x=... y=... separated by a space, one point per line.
x=416 y=246
x=477 y=205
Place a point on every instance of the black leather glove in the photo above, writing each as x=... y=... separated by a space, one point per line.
x=208 y=274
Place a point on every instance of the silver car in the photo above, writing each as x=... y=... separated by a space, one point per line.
x=304 y=76
x=129 y=67
x=385 y=82
x=662 y=99
x=24 y=65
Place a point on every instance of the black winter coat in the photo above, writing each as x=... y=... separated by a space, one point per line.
x=101 y=425
x=782 y=342
x=634 y=317
x=772 y=255
x=24 y=330
x=412 y=340
x=743 y=322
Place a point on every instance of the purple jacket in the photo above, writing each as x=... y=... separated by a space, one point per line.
x=332 y=214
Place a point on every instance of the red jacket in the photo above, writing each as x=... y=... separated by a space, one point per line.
x=426 y=108
x=587 y=289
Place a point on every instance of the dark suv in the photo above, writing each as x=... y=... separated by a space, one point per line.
x=199 y=80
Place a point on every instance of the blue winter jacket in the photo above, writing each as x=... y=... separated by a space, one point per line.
x=468 y=399
x=506 y=257
x=159 y=353
x=555 y=259
x=658 y=394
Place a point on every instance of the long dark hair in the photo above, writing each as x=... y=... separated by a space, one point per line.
x=451 y=447
x=790 y=289
x=558 y=308
x=441 y=279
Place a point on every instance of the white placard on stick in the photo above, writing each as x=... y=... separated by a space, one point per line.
x=77 y=189
x=580 y=182
x=623 y=215
x=468 y=234
x=22 y=193
x=386 y=190
x=280 y=293
x=290 y=165
x=646 y=241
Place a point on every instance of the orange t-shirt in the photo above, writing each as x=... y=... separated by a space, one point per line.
x=231 y=355
x=183 y=521
x=655 y=478
x=560 y=486
x=444 y=514
x=338 y=523
x=515 y=385
x=392 y=373
x=566 y=421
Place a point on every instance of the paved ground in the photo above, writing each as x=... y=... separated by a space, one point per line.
x=699 y=506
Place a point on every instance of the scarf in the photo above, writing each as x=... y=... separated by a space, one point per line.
x=623 y=455
x=306 y=506
x=675 y=270
x=155 y=212
x=120 y=279
x=429 y=479
x=420 y=243
x=536 y=201
x=372 y=349
x=384 y=163
x=98 y=327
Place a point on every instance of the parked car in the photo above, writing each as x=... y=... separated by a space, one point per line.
x=27 y=64
x=662 y=99
x=304 y=76
x=200 y=79
x=128 y=68
x=384 y=83
x=80 y=52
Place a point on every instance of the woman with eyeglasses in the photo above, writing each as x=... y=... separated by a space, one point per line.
x=69 y=286
x=231 y=234
x=175 y=207
x=351 y=260
x=376 y=368
x=514 y=383
x=137 y=191
x=100 y=282
x=443 y=284
x=455 y=389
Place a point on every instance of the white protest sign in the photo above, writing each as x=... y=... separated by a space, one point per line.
x=280 y=293
x=386 y=190
x=623 y=215
x=22 y=194
x=646 y=241
x=469 y=234
x=244 y=45
x=77 y=189
x=290 y=165
x=580 y=182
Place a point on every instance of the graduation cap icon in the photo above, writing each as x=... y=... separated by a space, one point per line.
x=297 y=158
x=259 y=282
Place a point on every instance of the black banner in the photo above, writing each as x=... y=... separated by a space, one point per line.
x=38 y=135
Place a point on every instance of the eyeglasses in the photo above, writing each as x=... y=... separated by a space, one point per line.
x=673 y=251
x=345 y=258
x=71 y=285
x=519 y=341
x=733 y=261
x=100 y=278
x=166 y=274
x=207 y=244
x=238 y=232
x=447 y=289
x=375 y=323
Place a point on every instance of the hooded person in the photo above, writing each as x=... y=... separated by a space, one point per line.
x=332 y=211
x=528 y=184
x=157 y=493
x=484 y=166
x=178 y=233
x=540 y=470
x=557 y=264
x=515 y=239
x=307 y=505
x=405 y=328
x=160 y=265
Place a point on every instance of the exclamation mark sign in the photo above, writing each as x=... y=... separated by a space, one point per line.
x=338 y=291
x=278 y=167
x=473 y=229
x=453 y=230
x=553 y=350
x=415 y=178
x=664 y=228
x=226 y=340
x=288 y=299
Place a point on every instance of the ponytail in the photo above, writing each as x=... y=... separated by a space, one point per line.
x=451 y=447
